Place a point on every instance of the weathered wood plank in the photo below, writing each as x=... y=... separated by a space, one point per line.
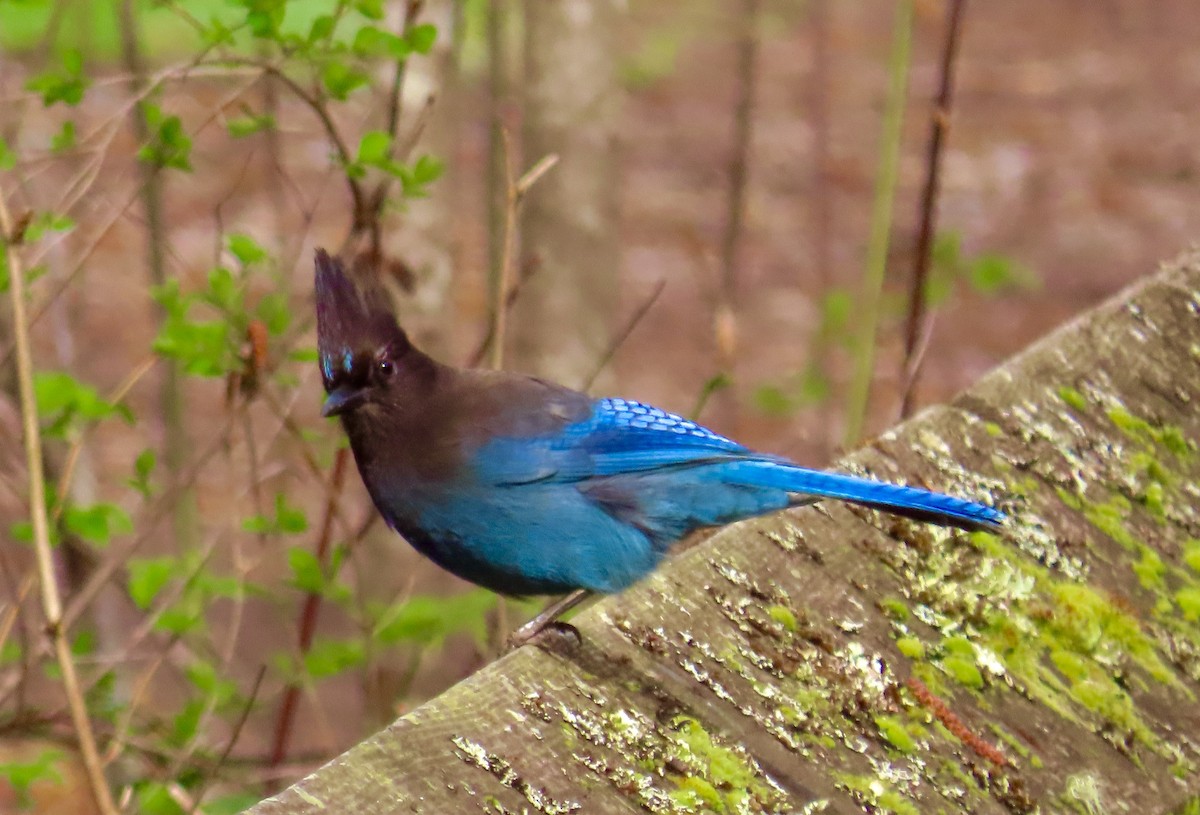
x=834 y=660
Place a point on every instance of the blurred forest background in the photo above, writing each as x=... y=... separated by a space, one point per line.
x=731 y=231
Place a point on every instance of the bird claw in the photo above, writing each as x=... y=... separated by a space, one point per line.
x=548 y=635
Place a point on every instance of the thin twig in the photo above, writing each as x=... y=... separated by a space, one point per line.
x=115 y=214
x=939 y=125
x=881 y=224
x=619 y=339
x=485 y=342
x=735 y=203
x=494 y=170
x=517 y=189
x=317 y=106
x=309 y=613
x=118 y=394
x=238 y=726
x=51 y=603
x=11 y=614
x=822 y=199
x=110 y=567
x=395 y=101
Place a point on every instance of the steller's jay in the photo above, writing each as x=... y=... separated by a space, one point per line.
x=527 y=487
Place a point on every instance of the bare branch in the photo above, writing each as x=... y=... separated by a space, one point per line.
x=51 y=603
x=939 y=125
x=517 y=189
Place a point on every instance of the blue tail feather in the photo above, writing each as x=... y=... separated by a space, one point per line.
x=907 y=501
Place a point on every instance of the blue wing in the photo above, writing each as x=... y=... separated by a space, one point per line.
x=666 y=474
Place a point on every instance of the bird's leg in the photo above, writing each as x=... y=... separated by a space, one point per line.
x=547 y=617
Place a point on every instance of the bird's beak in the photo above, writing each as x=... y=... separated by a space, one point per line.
x=341 y=400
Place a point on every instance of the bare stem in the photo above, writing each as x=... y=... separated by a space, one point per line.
x=151 y=190
x=735 y=203
x=622 y=335
x=939 y=125
x=822 y=197
x=51 y=603
x=494 y=172
x=517 y=190
x=881 y=224
x=308 y=616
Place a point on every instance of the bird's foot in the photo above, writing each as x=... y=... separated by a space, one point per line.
x=548 y=621
x=551 y=635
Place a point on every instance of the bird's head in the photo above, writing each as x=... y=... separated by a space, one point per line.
x=361 y=347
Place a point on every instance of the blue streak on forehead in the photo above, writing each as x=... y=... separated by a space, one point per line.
x=328 y=362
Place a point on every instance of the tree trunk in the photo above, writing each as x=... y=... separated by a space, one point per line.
x=561 y=321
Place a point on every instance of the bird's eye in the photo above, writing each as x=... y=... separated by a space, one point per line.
x=385 y=366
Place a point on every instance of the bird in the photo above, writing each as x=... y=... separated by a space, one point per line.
x=527 y=487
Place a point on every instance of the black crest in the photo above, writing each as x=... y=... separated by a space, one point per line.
x=353 y=318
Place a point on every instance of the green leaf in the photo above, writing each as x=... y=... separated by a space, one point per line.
x=154 y=798
x=428 y=619
x=427 y=169
x=8 y=160
x=273 y=310
x=990 y=274
x=143 y=466
x=66 y=85
x=204 y=676
x=836 y=308
x=183 y=616
x=226 y=585
x=98 y=523
x=169 y=296
x=42 y=223
x=373 y=148
x=10 y=652
x=321 y=29
x=306 y=570
x=245 y=249
x=815 y=386
x=169 y=146
x=341 y=80
x=257 y=525
x=224 y=292
x=717 y=383
x=65 y=138
x=419 y=175
x=147 y=577
x=62 y=400
x=186 y=722
x=422 y=37
x=84 y=643
x=263 y=17
x=21 y=775
x=947 y=251
x=290 y=520
x=371 y=41
x=202 y=347
x=772 y=400
x=205 y=348
x=216 y=33
x=230 y=804
x=946 y=266
x=240 y=127
x=329 y=657
x=371 y=9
